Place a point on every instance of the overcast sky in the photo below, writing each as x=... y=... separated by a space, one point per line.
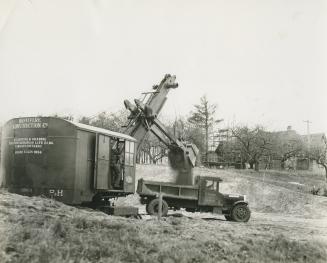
x=261 y=61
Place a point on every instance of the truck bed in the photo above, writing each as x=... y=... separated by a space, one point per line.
x=152 y=188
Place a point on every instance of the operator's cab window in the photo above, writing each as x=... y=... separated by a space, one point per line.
x=129 y=153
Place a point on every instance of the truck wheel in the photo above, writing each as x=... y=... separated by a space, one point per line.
x=152 y=207
x=228 y=217
x=147 y=208
x=241 y=213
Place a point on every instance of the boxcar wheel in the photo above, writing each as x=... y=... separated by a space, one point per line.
x=241 y=213
x=152 y=207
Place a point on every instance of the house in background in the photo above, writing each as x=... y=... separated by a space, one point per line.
x=298 y=160
x=222 y=152
x=312 y=141
x=290 y=152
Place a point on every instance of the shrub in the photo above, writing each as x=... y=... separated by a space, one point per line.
x=314 y=190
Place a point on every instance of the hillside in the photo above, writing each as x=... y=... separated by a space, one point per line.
x=287 y=225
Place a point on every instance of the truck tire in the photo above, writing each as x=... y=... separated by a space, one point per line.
x=240 y=213
x=147 y=208
x=152 y=207
x=228 y=217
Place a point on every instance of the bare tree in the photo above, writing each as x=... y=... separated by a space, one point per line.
x=186 y=131
x=319 y=154
x=253 y=144
x=203 y=117
x=107 y=120
x=153 y=148
x=68 y=117
x=0 y=141
x=84 y=120
x=285 y=148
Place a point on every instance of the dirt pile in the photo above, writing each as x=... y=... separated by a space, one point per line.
x=268 y=198
x=267 y=192
x=264 y=197
x=285 y=226
x=42 y=230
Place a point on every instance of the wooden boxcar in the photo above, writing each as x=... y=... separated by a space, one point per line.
x=68 y=161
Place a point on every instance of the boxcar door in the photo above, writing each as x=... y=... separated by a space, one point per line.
x=102 y=167
x=129 y=165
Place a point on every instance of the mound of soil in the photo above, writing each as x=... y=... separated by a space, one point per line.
x=285 y=226
x=43 y=230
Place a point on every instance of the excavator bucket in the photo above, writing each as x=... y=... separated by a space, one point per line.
x=192 y=152
x=182 y=162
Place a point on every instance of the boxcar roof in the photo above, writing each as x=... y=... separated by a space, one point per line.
x=103 y=131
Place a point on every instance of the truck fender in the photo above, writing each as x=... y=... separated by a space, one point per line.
x=241 y=202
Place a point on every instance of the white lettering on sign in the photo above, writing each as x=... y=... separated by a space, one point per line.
x=25 y=120
x=30 y=123
x=56 y=193
x=28 y=145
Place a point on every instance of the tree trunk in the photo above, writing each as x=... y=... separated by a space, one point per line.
x=325 y=167
x=256 y=166
x=207 y=141
x=251 y=165
x=282 y=163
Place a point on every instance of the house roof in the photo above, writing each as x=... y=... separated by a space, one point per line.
x=316 y=139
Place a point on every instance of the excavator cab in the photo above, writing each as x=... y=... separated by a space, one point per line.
x=115 y=165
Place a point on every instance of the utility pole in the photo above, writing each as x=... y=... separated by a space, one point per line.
x=308 y=133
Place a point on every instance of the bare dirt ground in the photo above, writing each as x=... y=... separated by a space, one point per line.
x=287 y=225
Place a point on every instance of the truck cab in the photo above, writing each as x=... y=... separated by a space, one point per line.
x=209 y=195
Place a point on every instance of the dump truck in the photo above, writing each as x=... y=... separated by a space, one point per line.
x=203 y=196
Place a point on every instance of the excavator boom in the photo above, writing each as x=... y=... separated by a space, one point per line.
x=143 y=119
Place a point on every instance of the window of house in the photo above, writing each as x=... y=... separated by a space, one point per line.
x=129 y=153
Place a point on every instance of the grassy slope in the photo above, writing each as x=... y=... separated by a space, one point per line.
x=41 y=230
